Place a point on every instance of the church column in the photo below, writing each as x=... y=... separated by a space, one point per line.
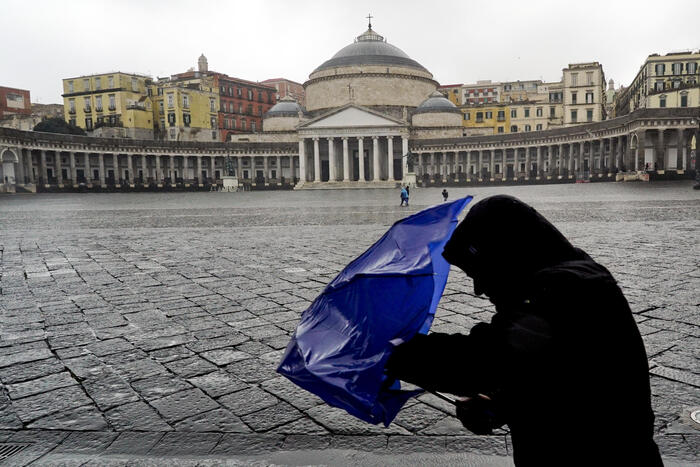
x=57 y=166
x=515 y=163
x=539 y=162
x=404 y=154
x=375 y=158
x=130 y=167
x=88 y=169
x=331 y=160
x=171 y=165
x=550 y=160
x=346 y=160
x=278 y=164
x=432 y=166
x=581 y=148
x=302 y=160
x=680 y=150
x=212 y=163
x=361 y=157
x=266 y=169
x=660 y=153
x=479 y=169
x=199 y=171
x=30 y=166
x=390 y=157
x=73 y=173
x=115 y=168
x=528 y=167
x=291 y=170
x=492 y=163
x=159 y=173
x=619 y=154
x=317 y=162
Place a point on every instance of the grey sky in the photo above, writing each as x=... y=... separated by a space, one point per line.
x=459 y=41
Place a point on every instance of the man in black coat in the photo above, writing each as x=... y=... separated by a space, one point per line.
x=562 y=361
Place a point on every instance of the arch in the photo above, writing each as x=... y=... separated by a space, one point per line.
x=9 y=155
x=633 y=141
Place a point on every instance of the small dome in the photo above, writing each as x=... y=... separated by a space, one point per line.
x=437 y=103
x=285 y=107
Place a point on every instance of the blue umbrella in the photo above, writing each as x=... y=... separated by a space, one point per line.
x=382 y=298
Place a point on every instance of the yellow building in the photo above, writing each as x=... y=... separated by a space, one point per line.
x=485 y=119
x=186 y=110
x=670 y=80
x=114 y=104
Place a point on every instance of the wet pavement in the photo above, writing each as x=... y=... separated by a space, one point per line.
x=148 y=326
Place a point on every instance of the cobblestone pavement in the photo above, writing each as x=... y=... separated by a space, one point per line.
x=152 y=324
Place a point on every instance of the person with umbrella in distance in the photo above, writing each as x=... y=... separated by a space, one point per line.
x=562 y=362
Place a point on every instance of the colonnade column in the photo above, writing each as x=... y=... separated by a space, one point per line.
x=421 y=170
x=346 y=160
x=57 y=166
x=550 y=160
x=504 y=166
x=212 y=163
x=101 y=164
x=540 y=171
x=492 y=164
x=432 y=166
x=375 y=158
x=130 y=167
x=199 y=171
x=479 y=169
x=73 y=172
x=158 y=174
x=581 y=147
x=291 y=169
x=680 y=149
x=171 y=165
x=660 y=156
x=561 y=160
x=302 y=160
x=528 y=167
x=266 y=169
x=404 y=153
x=361 y=158
x=88 y=169
x=44 y=171
x=317 y=162
x=390 y=157
x=331 y=160
x=30 y=166
x=19 y=175
x=515 y=163
x=278 y=164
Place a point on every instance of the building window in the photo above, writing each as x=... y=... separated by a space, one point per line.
x=185 y=101
x=240 y=108
x=98 y=83
x=691 y=68
x=212 y=105
x=72 y=121
x=71 y=106
x=112 y=102
x=514 y=128
x=589 y=78
x=589 y=115
x=660 y=68
x=160 y=91
x=528 y=128
x=677 y=68
x=70 y=86
x=243 y=125
x=110 y=81
x=86 y=84
x=466 y=115
x=527 y=112
x=98 y=103
x=662 y=101
x=684 y=100
x=589 y=97
x=501 y=116
x=88 y=123
x=574 y=115
x=250 y=95
x=212 y=122
x=659 y=86
x=171 y=118
x=513 y=113
x=539 y=127
x=213 y=135
x=574 y=97
x=574 y=79
x=500 y=129
x=162 y=123
x=552 y=112
x=171 y=100
x=252 y=126
x=260 y=111
x=233 y=123
x=87 y=105
x=186 y=119
x=239 y=91
x=489 y=115
x=160 y=107
x=172 y=133
x=539 y=111
x=134 y=84
x=479 y=117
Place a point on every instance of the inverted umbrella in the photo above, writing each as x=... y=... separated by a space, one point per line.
x=382 y=298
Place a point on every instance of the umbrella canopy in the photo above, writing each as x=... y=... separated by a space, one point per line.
x=382 y=298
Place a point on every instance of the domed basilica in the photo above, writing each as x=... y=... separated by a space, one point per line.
x=363 y=105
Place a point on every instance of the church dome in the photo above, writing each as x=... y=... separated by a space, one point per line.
x=285 y=107
x=370 y=48
x=437 y=103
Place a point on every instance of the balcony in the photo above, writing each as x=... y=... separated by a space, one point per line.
x=112 y=108
x=87 y=109
x=501 y=119
x=71 y=111
x=98 y=109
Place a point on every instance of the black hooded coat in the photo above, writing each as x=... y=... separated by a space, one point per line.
x=562 y=359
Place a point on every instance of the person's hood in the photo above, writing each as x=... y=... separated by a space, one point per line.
x=502 y=243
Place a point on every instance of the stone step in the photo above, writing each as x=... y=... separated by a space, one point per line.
x=382 y=184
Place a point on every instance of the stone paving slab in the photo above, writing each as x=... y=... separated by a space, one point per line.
x=153 y=331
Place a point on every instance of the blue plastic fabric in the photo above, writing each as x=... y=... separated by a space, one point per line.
x=382 y=298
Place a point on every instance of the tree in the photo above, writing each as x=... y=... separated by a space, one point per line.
x=58 y=125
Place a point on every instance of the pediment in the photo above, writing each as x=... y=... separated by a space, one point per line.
x=352 y=117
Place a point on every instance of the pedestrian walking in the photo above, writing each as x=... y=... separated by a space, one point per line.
x=444 y=194
x=404 y=197
x=563 y=337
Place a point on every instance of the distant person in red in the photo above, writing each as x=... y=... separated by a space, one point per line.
x=562 y=362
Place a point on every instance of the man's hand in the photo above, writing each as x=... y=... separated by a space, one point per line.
x=478 y=414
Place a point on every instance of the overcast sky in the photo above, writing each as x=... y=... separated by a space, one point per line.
x=458 y=41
